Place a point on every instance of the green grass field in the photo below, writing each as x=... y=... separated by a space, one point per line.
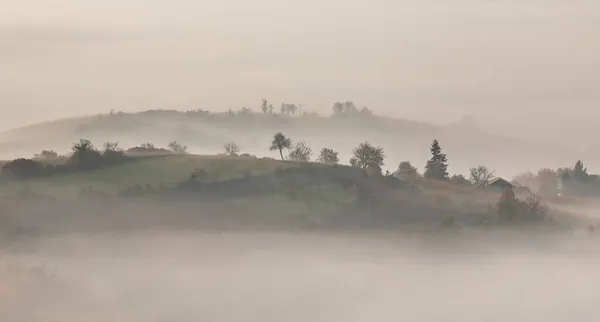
x=167 y=170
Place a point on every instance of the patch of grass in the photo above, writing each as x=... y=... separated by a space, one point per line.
x=167 y=170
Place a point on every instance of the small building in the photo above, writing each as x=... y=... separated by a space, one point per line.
x=498 y=185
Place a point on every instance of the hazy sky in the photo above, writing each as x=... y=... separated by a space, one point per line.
x=423 y=59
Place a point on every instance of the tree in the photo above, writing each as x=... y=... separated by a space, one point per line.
x=576 y=180
x=231 y=148
x=264 y=106
x=344 y=109
x=300 y=152
x=367 y=156
x=328 y=156
x=46 y=155
x=113 y=153
x=177 y=147
x=85 y=154
x=437 y=167
x=481 y=175
x=111 y=146
x=279 y=143
x=289 y=109
x=579 y=172
x=354 y=162
x=22 y=169
x=406 y=171
x=147 y=146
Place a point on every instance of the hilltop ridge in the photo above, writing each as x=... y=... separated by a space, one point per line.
x=205 y=132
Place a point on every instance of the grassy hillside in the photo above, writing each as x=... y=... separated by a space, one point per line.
x=167 y=170
x=205 y=133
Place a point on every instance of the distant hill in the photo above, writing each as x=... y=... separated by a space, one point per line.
x=205 y=133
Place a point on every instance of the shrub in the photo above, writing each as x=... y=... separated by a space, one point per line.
x=511 y=209
x=23 y=169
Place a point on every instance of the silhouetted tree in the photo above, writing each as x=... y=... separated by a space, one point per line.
x=406 y=171
x=111 y=146
x=481 y=175
x=231 y=148
x=437 y=167
x=576 y=180
x=177 y=147
x=367 y=155
x=328 y=156
x=113 y=153
x=344 y=109
x=46 y=156
x=264 y=106
x=22 y=169
x=579 y=172
x=147 y=146
x=279 y=143
x=289 y=109
x=85 y=155
x=300 y=152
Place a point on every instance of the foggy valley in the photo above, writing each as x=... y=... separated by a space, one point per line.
x=411 y=160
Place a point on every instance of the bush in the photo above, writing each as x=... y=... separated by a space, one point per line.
x=23 y=169
x=147 y=149
x=511 y=209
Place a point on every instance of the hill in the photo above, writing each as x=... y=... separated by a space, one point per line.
x=226 y=192
x=159 y=170
x=205 y=133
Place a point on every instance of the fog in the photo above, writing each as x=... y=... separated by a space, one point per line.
x=427 y=60
x=312 y=277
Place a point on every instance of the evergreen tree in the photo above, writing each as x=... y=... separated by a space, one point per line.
x=580 y=172
x=406 y=171
x=437 y=166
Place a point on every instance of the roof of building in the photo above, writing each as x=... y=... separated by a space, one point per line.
x=501 y=181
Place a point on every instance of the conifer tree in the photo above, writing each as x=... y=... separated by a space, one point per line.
x=437 y=166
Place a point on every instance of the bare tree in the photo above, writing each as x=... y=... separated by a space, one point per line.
x=328 y=156
x=279 y=143
x=177 y=147
x=367 y=156
x=111 y=147
x=481 y=176
x=300 y=152
x=231 y=148
x=264 y=106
